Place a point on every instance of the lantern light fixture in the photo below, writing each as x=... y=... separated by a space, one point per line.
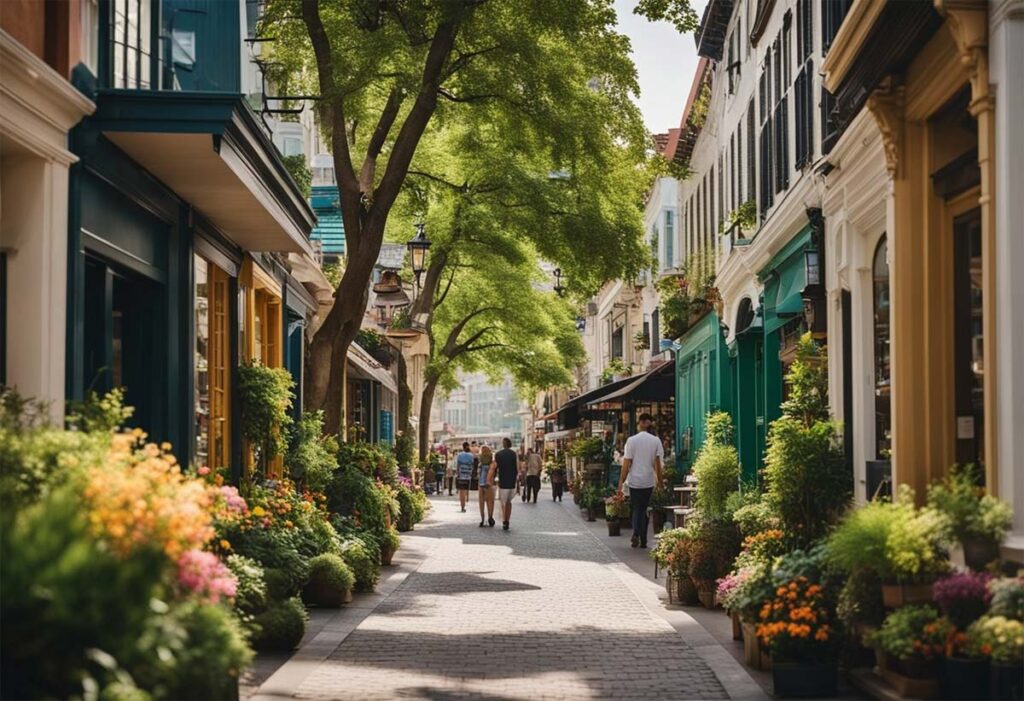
x=418 y=246
x=559 y=288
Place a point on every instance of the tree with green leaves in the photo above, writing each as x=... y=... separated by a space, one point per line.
x=387 y=70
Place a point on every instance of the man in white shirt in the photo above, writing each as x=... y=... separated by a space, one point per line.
x=641 y=470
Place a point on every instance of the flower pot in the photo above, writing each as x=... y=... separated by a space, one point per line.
x=386 y=553
x=589 y=514
x=801 y=680
x=737 y=626
x=1006 y=681
x=707 y=598
x=978 y=552
x=614 y=528
x=319 y=593
x=658 y=519
x=897 y=595
x=962 y=678
x=681 y=590
x=753 y=654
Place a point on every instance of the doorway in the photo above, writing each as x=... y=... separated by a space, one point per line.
x=124 y=313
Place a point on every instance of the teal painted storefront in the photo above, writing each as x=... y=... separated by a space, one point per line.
x=755 y=367
x=703 y=385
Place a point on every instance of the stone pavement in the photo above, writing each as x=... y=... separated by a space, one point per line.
x=545 y=611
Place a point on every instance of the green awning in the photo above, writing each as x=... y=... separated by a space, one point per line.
x=785 y=278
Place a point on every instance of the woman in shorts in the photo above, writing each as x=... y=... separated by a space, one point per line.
x=486 y=488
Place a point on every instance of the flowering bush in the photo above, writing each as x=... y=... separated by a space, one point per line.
x=615 y=507
x=729 y=584
x=970 y=512
x=203 y=574
x=998 y=638
x=963 y=597
x=1007 y=597
x=412 y=504
x=912 y=631
x=796 y=625
x=672 y=550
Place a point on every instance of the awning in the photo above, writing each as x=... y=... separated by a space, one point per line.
x=555 y=435
x=785 y=279
x=568 y=413
x=366 y=368
x=211 y=150
x=658 y=385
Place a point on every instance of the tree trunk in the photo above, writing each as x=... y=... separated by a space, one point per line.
x=404 y=396
x=429 y=388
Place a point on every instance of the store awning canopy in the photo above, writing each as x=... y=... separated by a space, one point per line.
x=657 y=385
x=366 y=368
x=569 y=413
x=555 y=435
x=211 y=150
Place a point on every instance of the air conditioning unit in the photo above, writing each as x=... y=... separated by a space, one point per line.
x=591 y=308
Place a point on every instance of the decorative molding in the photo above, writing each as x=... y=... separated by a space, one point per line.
x=968 y=24
x=886 y=105
x=848 y=42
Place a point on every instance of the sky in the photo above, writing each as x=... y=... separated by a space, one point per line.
x=665 y=62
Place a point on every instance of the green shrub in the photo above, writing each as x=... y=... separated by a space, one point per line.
x=371 y=459
x=902 y=628
x=327 y=572
x=808 y=482
x=713 y=548
x=251 y=592
x=282 y=626
x=391 y=539
x=265 y=396
x=970 y=512
x=752 y=513
x=352 y=492
x=312 y=457
x=214 y=654
x=718 y=428
x=276 y=549
x=404 y=452
x=364 y=561
x=860 y=599
x=717 y=470
x=411 y=506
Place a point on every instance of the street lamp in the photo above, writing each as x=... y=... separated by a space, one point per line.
x=418 y=246
x=389 y=296
x=559 y=289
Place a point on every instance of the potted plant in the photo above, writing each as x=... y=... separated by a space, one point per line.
x=726 y=588
x=616 y=508
x=902 y=544
x=641 y=341
x=1007 y=597
x=672 y=555
x=389 y=545
x=978 y=521
x=963 y=671
x=616 y=369
x=661 y=497
x=330 y=582
x=711 y=556
x=911 y=640
x=796 y=626
x=1001 y=640
x=593 y=502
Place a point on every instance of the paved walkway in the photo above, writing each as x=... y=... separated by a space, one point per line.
x=545 y=611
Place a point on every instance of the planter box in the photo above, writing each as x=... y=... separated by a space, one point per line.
x=737 y=626
x=896 y=595
x=798 y=680
x=320 y=594
x=614 y=528
x=681 y=590
x=912 y=678
x=960 y=678
x=1006 y=681
x=753 y=655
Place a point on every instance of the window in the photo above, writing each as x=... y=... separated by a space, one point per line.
x=804 y=96
x=804 y=29
x=751 y=156
x=787 y=60
x=832 y=14
x=212 y=371
x=655 y=331
x=721 y=198
x=292 y=146
x=670 y=235
x=883 y=405
x=130 y=40
x=90 y=34
x=617 y=346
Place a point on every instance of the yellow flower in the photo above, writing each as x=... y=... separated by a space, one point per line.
x=224 y=544
x=165 y=446
x=258 y=511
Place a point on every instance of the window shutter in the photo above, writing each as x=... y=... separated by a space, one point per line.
x=751 y=154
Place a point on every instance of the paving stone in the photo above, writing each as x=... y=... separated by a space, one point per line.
x=538 y=612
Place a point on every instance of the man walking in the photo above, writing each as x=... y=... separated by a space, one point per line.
x=533 y=468
x=506 y=468
x=641 y=470
x=464 y=462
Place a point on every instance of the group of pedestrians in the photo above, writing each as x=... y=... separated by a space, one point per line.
x=495 y=476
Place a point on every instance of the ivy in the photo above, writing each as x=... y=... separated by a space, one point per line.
x=265 y=395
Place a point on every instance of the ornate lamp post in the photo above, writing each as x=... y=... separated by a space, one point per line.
x=559 y=288
x=418 y=246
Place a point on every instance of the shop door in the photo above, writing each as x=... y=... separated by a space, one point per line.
x=968 y=340
x=123 y=315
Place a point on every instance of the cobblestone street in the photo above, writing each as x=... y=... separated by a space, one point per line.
x=543 y=611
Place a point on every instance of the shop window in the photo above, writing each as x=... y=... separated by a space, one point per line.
x=968 y=339
x=883 y=405
x=211 y=374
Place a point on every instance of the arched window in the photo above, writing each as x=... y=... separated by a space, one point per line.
x=744 y=315
x=883 y=405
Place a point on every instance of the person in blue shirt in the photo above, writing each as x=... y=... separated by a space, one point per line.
x=464 y=463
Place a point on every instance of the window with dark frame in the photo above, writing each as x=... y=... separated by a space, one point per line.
x=130 y=36
x=833 y=12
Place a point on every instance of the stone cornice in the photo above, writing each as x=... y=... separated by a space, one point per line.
x=37 y=106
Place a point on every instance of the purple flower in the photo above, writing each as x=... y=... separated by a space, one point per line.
x=963 y=596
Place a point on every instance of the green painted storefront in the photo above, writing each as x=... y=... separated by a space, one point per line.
x=755 y=368
x=703 y=385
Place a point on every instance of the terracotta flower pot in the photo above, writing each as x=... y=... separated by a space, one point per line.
x=386 y=553
x=319 y=593
x=897 y=595
x=614 y=528
x=707 y=598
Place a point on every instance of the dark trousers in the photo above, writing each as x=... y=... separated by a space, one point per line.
x=639 y=500
x=556 y=490
x=532 y=487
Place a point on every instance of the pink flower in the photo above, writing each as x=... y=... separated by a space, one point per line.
x=203 y=471
x=233 y=500
x=203 y=574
